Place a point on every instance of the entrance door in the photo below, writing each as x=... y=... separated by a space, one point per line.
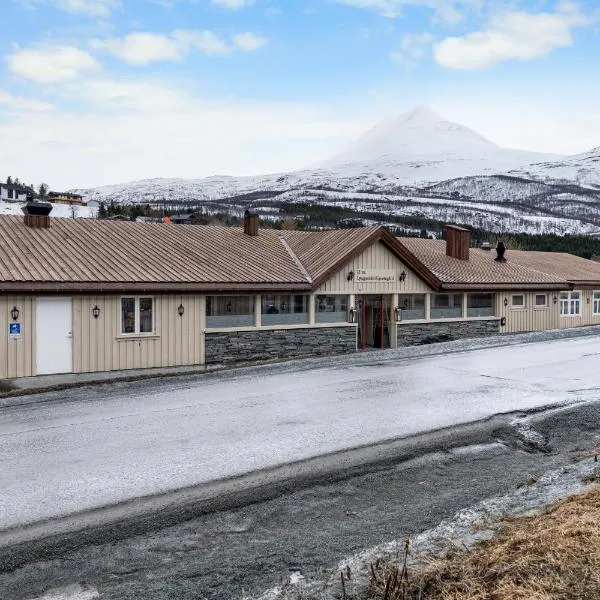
x=373 y=321
x=53 y=336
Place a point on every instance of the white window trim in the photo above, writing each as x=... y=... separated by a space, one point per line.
x=514 y=306
x=594 y=300
x=137 y=333
x=569 y=300
x=541 y=306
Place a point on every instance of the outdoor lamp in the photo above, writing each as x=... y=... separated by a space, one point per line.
x=350 y=276
x=96 y=311
x=14 y=313
x=505 y=301
x=352 y=314
x=555 y=299
x=228 y=307
x=180 y=310
x=397 y=314
x=403 y=276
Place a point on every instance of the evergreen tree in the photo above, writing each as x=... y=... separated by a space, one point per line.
x=9 y=180
x=43 y=190
x=102 y=212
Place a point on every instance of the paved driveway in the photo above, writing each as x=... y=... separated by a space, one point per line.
x=121 y=441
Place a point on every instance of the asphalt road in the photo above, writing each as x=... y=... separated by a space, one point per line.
x=101 y=446
x=230 y=553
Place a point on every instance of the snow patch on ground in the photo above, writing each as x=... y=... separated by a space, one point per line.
x=71 y=592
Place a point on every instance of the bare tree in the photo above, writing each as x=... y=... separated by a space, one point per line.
x=74 y=210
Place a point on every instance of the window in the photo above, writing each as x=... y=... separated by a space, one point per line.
x=10 y=193
x=518 y=301
x=332 y=309
x=230 y=311
x=285 y=310
x=570 y=304
x=480 y=305
x=137 y=315
x=541 y=300
x=597 y=303
x=446 y=306
x=412 y=306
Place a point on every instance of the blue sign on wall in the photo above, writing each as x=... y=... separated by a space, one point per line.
x=14 y=330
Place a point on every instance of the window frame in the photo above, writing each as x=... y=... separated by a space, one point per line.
x=569 y=302
x=595 y=313
x=540 y=306
x=137 y=319
x=522 y=306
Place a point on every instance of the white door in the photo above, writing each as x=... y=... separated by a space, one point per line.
x=54 y=336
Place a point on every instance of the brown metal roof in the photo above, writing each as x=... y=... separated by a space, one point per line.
x=522 y=269
x=87 y=254
x=96 y=254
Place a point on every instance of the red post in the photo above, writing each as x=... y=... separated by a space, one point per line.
x=382 y=316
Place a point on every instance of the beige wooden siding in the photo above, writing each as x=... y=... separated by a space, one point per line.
x=587 y=309
x=529 y=318
x=376 y=256
x=17 y=355
x=98 y=345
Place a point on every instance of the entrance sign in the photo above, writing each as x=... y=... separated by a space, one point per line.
x=375 y=276
x=14 y=330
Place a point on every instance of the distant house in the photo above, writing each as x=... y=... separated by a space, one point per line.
x=93 y=203
x=65 y=198
x=13 y=192
x=184 y=219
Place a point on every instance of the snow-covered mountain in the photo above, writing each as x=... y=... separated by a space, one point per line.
x=415 y=165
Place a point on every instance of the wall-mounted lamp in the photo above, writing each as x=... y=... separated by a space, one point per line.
x=350 y=276
x=588 y=299
x=14 y=313
x=96 y=311
x=555 y=299
x=505 y=301
x=228 y=307
x=283 y=306
x=180 y=310
x=352 y=314
x=397 y=314
x=403 y=276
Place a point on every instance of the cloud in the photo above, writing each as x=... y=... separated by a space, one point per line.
x=412 y=49
x=451 y=11
x=50 y=64
x=233 y=4
x=249 y=41
x=143 y=48
x=511 y=36
x=19 y=104
x=88 y=8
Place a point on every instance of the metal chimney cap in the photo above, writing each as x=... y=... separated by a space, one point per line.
x=42 y=209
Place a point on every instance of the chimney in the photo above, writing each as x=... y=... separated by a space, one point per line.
x=37 y=214
x=250 y=223
x=457 y=242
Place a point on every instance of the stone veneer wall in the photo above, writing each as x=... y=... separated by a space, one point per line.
x=430 y=333
x=240 y=346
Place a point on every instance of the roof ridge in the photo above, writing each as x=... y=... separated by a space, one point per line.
x=295 y=258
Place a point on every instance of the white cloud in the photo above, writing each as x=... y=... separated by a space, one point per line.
x=451 y=11
x=232 y=4
x=249 y=41
x=511 y=36
x=412 y=49
x=50 y=64
x=90 y=8
x=20 y=104
x=142 y=48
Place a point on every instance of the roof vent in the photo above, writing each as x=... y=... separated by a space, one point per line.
x=486 y=246
x=458 y=240
x=500 y=250
x=250 y=223
x=37 y=214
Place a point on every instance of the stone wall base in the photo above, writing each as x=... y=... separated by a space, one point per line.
x=430 y=333
x=243 y=346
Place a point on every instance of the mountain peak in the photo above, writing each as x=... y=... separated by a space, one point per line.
x=420 y=132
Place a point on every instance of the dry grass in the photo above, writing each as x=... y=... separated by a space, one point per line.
x=551 y=556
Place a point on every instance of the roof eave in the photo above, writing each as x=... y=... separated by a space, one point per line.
x=458 y=287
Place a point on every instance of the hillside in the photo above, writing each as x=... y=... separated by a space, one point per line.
x=415 y=166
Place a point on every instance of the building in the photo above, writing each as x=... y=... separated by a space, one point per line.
x=65 y=198
x=89 y=296
x=13 y=192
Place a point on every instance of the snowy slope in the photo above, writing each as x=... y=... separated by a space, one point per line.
x=418 y=154
x=58 y=210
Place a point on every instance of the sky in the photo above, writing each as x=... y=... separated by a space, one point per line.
x=95 y=92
